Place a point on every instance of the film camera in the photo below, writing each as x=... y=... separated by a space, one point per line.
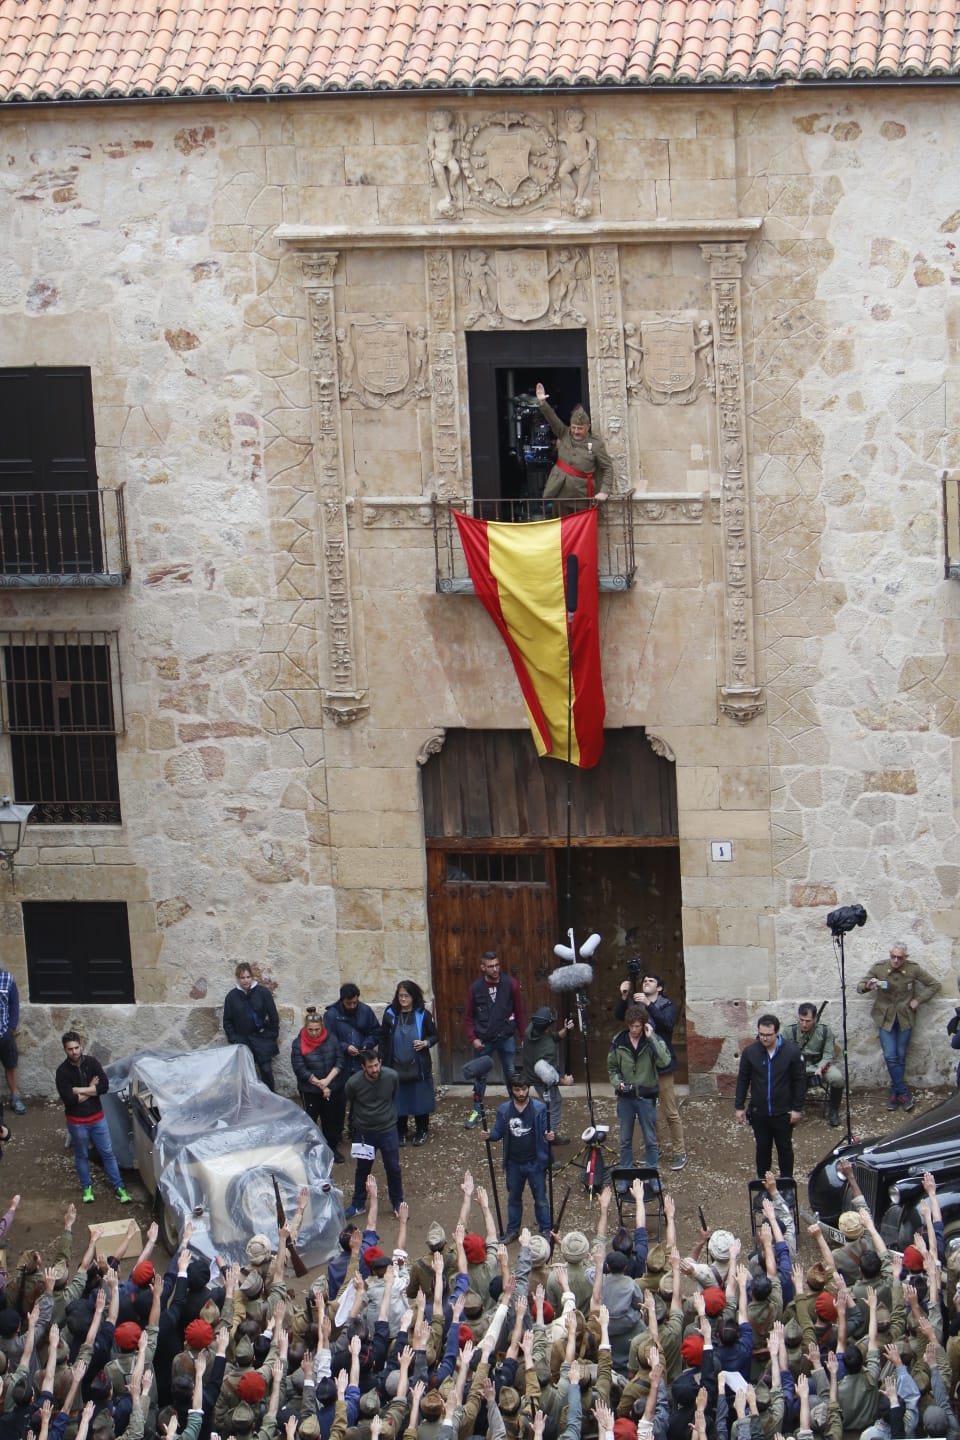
x=635 y=971
x=847 y=918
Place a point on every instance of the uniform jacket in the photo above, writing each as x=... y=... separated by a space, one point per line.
x=815 y=1047
x=909 y=982
x=777 y=1083
x=589 y=455
x=641 y=1068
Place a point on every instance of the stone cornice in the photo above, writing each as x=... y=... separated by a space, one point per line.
x=515 y=233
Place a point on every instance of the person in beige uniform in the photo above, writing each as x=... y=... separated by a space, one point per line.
x=899 y=988
x=583 y=467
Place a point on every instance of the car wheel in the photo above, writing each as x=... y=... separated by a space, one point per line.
x=251 y=1202
x=169 y=1230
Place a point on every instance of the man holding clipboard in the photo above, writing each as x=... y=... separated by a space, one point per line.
x=372 y=1097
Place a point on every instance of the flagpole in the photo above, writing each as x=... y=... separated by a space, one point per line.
x=572 y=589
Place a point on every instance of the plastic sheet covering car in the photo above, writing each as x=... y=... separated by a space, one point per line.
x=209 y=1138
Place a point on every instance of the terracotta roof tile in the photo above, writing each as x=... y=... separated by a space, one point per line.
x=67 y=49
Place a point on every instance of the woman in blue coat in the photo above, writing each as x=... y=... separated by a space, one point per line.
x=408 y=1035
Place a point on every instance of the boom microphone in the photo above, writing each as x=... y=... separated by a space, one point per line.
x=571 y=977
x=476 y=1069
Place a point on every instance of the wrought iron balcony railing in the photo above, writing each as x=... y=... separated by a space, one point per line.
x=951 y=526
x=54 y=538
x=615 y=536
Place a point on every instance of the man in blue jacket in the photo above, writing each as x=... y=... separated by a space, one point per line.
x=773 y=1070
x=521 y=1124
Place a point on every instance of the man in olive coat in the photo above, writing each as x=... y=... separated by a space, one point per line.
x=899 y=987
x=583 y=468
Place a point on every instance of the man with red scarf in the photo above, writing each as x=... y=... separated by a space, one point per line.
x=583 y=467
x=317 y=1060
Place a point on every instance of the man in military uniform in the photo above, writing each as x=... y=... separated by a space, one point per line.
x=583 y=467
x=816 y=1044
x=899 y=987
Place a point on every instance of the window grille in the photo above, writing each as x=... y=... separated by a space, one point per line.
x=496 y=868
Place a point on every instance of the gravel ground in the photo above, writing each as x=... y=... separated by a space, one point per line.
x=38 y=1167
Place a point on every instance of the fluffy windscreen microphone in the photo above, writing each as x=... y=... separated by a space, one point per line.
x=571 y=977
x=476 y=1069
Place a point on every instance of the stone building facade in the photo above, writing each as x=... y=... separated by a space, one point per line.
x=275 y=304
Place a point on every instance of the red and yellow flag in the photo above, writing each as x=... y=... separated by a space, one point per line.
x=519 y=571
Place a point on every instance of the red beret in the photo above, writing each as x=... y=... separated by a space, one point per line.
x=714 y=1300
x=826 y=1306
x=548 y=1312
x=199 y=1334
x=143 y=1273
x=373 y=1252
x=466 y=1334
x=692 y=1350
x=127 y=1335
x=251 y=1387
x=624 y=1429
x=475 y=1249
x=913 y=1258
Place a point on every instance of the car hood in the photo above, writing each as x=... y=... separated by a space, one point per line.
x=926 y=1134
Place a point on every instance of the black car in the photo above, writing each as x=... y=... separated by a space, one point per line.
x=890 y=1174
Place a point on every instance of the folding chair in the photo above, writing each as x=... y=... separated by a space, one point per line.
x=788 y=1190
x=621 y=1180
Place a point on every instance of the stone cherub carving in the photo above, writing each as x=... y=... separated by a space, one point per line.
x=577 y=166
x=442 y=161
x=704 y=347
x=571 y=266
x=346 y=364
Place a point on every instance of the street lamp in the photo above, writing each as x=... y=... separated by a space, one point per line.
x=13 y=823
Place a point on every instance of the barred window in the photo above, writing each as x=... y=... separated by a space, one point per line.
x=62 y=705
x=497 y=868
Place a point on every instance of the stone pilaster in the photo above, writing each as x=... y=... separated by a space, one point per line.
x=447 y=475
x=611 y=373
x=344 y=701
x=740 y=695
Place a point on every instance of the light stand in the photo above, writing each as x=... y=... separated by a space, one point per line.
x=840 y=922
x=572 y=589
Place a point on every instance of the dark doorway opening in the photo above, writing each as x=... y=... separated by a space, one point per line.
x=511 y=444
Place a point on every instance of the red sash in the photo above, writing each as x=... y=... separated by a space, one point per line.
x=580 y=474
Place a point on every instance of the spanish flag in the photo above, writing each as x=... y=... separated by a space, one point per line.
x=520 y=571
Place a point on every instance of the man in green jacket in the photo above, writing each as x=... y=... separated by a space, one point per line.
x=899 y=986
x=636 y=1057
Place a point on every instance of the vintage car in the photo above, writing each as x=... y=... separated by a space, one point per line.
x=890 y=1174
x=209 y=1140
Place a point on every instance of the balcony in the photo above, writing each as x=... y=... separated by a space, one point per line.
x=951 y=527
x=614 y=538
x=55 y=538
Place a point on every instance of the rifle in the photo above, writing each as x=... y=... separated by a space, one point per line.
x=493 y=1173
x=555 y=1228
x=299 y=1269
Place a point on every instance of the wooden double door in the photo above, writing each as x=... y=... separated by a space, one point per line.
x=511 y=892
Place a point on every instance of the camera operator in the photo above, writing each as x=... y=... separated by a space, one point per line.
x=635 y=1061
x=663 y=1018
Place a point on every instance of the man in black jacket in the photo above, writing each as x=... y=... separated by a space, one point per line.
x=250 y=1018
x=773 y=1071
x=81 y=1080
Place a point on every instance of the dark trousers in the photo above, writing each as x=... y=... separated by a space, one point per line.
x=328 y=1114
x=387 y=1142
x=534 y=1175
x=767 y=1131
x=421 y=1124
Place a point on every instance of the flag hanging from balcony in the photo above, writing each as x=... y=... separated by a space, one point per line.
x=521 y=573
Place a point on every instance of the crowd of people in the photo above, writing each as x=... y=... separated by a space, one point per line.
x=616 y=1334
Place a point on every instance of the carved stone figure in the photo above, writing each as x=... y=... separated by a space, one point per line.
x=480 y=280
x=346 y=362
x=634 y=353
x=578 y=163
x=421 y=363
x=571 y=266
x=442 y=161
x=704 y=348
